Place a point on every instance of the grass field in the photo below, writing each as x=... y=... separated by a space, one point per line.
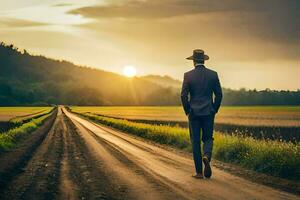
x=276 y=158
x=8 y=113
x=252 y=116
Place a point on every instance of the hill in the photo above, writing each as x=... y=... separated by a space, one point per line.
x=36 y=80
x=164 y=81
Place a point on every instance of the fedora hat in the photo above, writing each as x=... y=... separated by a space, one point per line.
x=198 y=54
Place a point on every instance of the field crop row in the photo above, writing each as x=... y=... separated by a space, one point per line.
x=281 y=116
x=284 y=133
x=8 y=113
x=271 y=157
x=12 y=137
x=19 y=120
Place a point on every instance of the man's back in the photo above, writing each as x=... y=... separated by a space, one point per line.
x=200 y=83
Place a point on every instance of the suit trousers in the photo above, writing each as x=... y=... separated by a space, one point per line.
x=204 y=124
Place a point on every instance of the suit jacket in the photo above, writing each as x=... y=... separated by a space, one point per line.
x=200 y=84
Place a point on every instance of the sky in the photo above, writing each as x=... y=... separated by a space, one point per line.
x=251 y=44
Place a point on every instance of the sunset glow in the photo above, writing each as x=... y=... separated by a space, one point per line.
x=129 y=71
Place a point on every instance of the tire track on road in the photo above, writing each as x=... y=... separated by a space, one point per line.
x=67 y=187
x=87 y=173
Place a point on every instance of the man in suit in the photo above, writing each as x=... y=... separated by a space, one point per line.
x=199 y=85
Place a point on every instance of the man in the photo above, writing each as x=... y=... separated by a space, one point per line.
x=198 y=88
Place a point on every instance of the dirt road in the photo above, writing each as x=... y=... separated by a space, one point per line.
x=81 y=160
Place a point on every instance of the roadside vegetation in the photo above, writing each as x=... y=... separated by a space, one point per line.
x=260 y=122
x=23 y=128
x=275 y=158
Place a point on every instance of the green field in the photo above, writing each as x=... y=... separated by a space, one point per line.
x=247 y=115
x=8 y=113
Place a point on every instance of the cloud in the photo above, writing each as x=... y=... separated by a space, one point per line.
x=171 y=8
x=272 y=19
x=162 y=8
x=19 y=23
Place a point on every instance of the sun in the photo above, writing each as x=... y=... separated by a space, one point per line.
x=129 y=71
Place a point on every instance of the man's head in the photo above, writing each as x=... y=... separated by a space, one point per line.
x=198 y=57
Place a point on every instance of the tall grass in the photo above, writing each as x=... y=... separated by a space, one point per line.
x=12 y=137
x=271 y=157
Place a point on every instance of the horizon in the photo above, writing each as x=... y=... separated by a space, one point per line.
x=246 y=47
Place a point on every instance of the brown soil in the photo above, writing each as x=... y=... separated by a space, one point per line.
x=22 y=154
x=59 y=168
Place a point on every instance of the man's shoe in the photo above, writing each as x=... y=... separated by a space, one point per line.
x=207 y=168
x=198 y=176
